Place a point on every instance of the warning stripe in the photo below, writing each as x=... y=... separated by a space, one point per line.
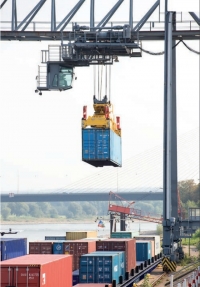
x=171 y=265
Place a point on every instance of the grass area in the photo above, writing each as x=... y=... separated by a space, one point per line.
x=191 y=241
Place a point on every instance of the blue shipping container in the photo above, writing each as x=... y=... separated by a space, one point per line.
x=75 y=277
x=55 y=238
x=101 y=147
x=58 y=248
x=96 y=268
x=124 y=234
x=13 y=247
x=143 y=250
x=122 y=260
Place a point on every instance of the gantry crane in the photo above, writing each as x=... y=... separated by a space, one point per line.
x=102 y=44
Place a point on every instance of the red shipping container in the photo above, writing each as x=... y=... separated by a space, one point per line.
x=78 y=248
x=120 y=244
x=37 y=271
x=43 y=247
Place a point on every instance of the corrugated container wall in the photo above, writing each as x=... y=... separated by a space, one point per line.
x=55 y=238
x=13 y=247
x=75 y=235
x=99 y=268
x=143 y=250
x=40 y=247
x=78 y=248
x=37 y=271
x=124 y=234
x=122 y=260
x=101 y=147
x=119 y=244
x=155 y=240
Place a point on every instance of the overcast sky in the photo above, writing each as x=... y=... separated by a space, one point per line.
x=41 y=135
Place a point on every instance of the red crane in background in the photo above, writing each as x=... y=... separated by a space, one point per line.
x=129 y=211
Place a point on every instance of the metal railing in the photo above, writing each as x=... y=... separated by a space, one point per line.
x=148 y=26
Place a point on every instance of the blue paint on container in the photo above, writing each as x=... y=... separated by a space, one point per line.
x=122 y=260
x=99 y=268
x=58 y=248
x=101 y=147
x=143 y=250
x=13 y=247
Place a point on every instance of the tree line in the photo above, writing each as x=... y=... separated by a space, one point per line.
x=189 y=196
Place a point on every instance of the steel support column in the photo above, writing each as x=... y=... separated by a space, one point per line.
x=112 y=223
x=131 y=14
x=122 y=222
x=168 y=222
x=92 y=20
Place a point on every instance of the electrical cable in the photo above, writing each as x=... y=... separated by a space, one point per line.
x=162 y=53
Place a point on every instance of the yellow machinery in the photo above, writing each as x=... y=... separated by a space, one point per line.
x=102 y=117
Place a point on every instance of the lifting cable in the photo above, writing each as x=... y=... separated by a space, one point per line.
x=162 y=53
x=94 y=78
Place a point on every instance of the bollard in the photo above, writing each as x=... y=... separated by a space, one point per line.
x=145 y=263
x=132 y=272
x=114 y=283
x=141 y=266
x=137 y=269
x=171 y=280
x=127 y=275
x=120 y=279
x=152 y=259
x=149 y=261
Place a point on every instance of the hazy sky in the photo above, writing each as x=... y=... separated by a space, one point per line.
x=41 y=135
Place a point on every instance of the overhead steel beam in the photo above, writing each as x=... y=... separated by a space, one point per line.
x=3 y=3
x=105 y=20
x=69 y=16
x=195 y=17
x=57 y=36
x=53 y=15
x=146 y=17
x=31 y=15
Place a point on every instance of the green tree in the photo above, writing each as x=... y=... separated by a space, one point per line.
x=89 y=209
x=53 y=213
x=22 y=208
x=75 y=208
x=5 y=212
x=45 y=207
x=34 y=210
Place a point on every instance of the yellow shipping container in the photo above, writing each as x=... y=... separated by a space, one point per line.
x=74 y=235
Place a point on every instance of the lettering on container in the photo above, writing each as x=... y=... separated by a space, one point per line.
x=122 y=265
x=43 y=278
x=115 y=268
x=157 y=245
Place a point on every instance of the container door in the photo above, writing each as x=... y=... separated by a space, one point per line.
x=103 y=144
x=6 y=276
x=26 y=276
